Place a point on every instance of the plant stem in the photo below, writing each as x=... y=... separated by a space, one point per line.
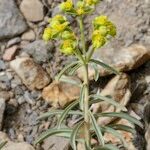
x=86 y=107
x=80 y=20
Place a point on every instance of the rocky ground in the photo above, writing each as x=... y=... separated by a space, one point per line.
x=28 y=65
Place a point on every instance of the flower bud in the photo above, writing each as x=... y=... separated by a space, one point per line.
x=68 y=35
x=66 y=6
x=47 y=34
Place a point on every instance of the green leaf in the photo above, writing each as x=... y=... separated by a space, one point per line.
x=57 y=112
x=70 y=80
x=74 y=135
x=66 y=68
x=107 y=147
x=116 y=134
x=81 y=98
x=109 y=100
x=65 y=112
x=121 y=115
x=96 y=76
x=50 y=132
x=2 y=144
x=74 y=69
x=105 y=66
x=122 y=127
x=97 y=129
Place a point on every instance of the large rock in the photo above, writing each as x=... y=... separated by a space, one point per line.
x=32 y=75
x=119 y=89
x=11 y=20
x=18 y=146
x=56 y=143
x=39 y=50
x=122 y=60
x=59 y=94
x=33 y=10
x=2 y=109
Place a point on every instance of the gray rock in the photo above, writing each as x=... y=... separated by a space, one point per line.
x=18 y=146
x=13 y=41
x=33 y=10
x=2 y=109
x=56 y=143
x=31 y=74
x=39 y=50
x=29 y=98
x=11 y=20
x=21 y=100
x=2 y=65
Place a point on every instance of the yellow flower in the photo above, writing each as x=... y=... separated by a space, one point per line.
x=91 y=2
x=60 y=27
x=68 y=35
x=47 y=34
x=60 y=18
x=66 y=6
x=103 y=30
x=68 y=47
x=101 y=20
x=80 y=11
x=98 y=40
x=111 y=29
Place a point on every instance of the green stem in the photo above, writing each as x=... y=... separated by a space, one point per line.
x=89 y=54
x=86 y=108
x=80 y=20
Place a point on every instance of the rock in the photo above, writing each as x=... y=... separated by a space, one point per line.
x=2 y=65
x=10 y=53
x=2 y=109
x=18 y=146
x=109 y=138
x=3 y=136
x=33 y=10
x=147 y=137
x=29 y=36
x=59 y=94
x=5 y=95
x=122 y=60
x=12 y=22
x=56 y=143
x=39 y=50
x=13 y=41
x=119 y=89
x=32 y=75
x=28 y=98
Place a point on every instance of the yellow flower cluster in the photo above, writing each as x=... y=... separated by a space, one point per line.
x=103 y=28
x=80 y=8
x=59 y=28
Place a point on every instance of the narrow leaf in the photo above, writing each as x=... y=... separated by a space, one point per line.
x=70 y=80
x=66 y=68
x=57 y=112
x=109 y=100
x=74 y=69
x=96 y=76
x=74 y=135
x=107 y=147
x=122 y=127
x=81 y=98
x=2 y=144
x=97 y=129
x=105 y=66
x=116 y=134
x=51 y=132
x=65 y=112
x=121 y=115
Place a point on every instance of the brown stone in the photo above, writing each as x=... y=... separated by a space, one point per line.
x=32 y=75
x=9 y=53
x=124 y=59
x=119 y=89
x=59 y=94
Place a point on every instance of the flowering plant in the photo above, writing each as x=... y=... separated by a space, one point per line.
x=87 y=128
